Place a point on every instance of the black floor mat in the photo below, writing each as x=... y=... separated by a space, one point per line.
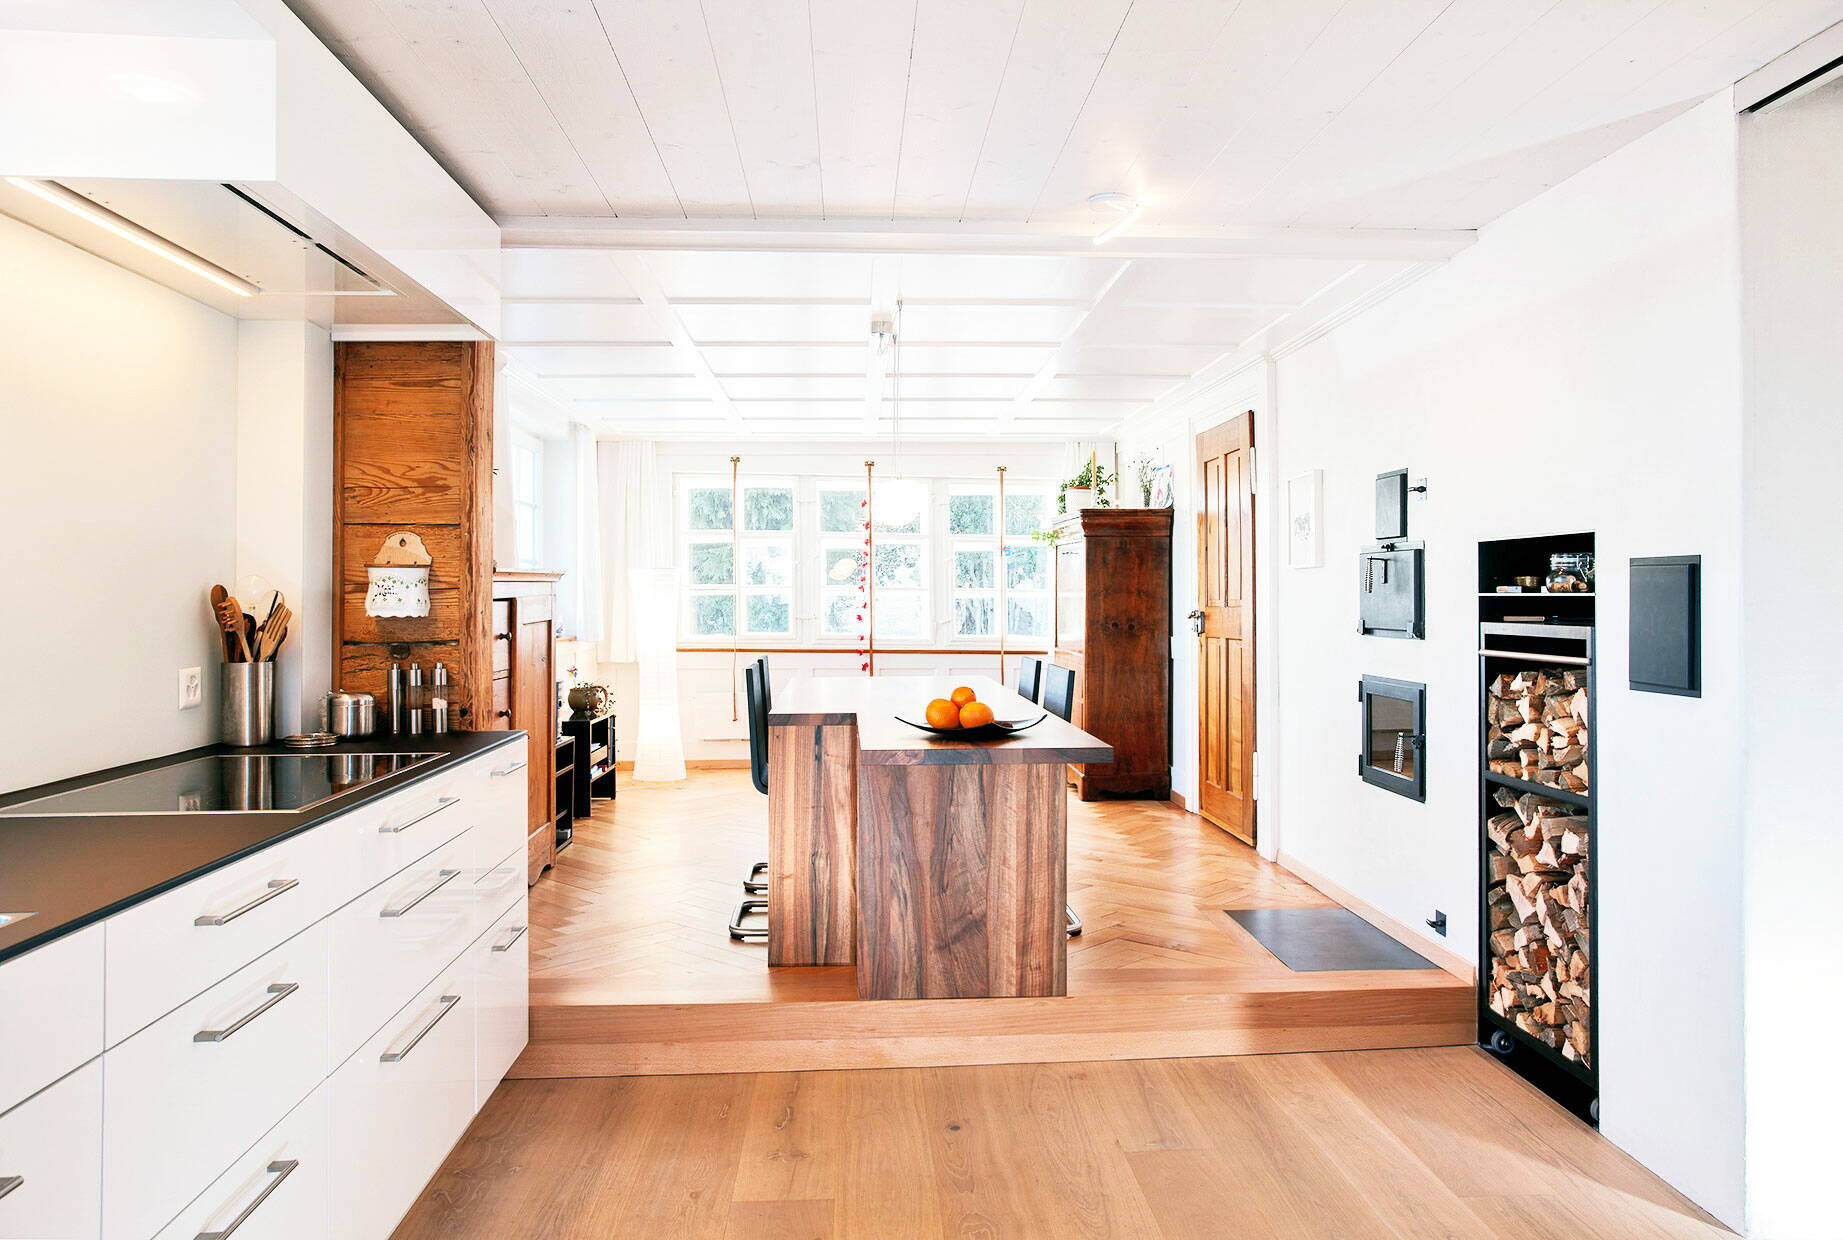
x=1318 y=940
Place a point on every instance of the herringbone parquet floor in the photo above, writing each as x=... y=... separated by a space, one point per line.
x=635 y=909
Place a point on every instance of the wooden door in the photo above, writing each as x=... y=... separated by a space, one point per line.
x=1224 y=619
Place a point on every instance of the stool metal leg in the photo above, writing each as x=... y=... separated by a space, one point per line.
x=756 y=884
x=749 y=934
x=1073 y=924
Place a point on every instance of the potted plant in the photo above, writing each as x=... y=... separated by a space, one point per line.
x=1088 y=489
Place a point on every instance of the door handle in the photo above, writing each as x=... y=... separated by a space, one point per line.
x=276 y=993
x=275 y=888
x=281 y=1169
x=1196 y=622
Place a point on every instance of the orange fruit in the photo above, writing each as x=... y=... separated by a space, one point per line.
x=963 y=695
x=942 y=713
x=975 y=715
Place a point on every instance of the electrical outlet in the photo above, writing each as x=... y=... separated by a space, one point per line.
x=1438 y=922
x=191 y=688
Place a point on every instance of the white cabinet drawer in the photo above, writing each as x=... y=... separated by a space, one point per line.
x=51 y=1162
x=381 y=838
x=51 y=1014
x=400 y=1104
x=190 y=1092
x=497 y=886
x=276 y=1191
x=502 y=973
x=170 y=948
x=389 y=942
x=502 y=784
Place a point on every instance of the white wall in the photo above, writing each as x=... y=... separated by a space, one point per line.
x=118 y=495
x=1791 y=183
x=285 y=499
x=1579 y=368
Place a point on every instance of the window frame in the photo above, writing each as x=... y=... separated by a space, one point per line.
x=527 y=508
x=739 y=540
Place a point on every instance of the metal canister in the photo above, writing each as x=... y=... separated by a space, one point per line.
x=349 y=715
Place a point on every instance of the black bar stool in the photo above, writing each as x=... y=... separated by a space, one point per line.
x=756 y=884
x=1059 y=690
x=1030 y=678
x=755 y=682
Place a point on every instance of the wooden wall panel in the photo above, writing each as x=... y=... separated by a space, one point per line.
x=413 y=449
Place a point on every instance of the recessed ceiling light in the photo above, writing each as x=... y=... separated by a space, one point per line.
x=1113 y=200
x=107 y=220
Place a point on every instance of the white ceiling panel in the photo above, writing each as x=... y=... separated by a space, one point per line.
x=716 y=324
x=795 y=387
x=976 y=322
x=563 y=273
x=1015 y=276
x=735 y=360
x=541 y=362
x=625 y=388
x=577 y=321
x=1132 y=389
x=706 y=274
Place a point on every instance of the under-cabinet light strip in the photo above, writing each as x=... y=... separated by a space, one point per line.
x=128 y=230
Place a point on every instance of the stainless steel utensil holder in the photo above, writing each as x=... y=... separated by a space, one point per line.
x=246 y=714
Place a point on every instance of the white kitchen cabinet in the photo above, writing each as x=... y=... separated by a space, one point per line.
x=51 y=1013
x=399 y=1105
x=502 y=973
x=190 y=1092
x=168 y=949
x=395 y=937
x=276 y=1191
x=289 y=1045
x=378 y=839
x=51 y=1161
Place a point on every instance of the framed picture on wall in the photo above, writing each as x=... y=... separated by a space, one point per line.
x=1161 y=487
x=1305 y=513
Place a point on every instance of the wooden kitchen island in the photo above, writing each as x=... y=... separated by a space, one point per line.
x=938 y=867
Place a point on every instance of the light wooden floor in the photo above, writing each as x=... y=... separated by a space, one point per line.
x=634 y=910
x=633 y=972
x=1407 y=1144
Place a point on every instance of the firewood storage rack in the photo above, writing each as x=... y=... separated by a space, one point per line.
x=1536 y=635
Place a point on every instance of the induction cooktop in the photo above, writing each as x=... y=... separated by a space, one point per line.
x=282 y=783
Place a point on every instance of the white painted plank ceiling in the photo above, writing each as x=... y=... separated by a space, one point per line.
x=973 y=132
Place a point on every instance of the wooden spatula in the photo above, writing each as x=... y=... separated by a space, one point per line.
x=274 y=631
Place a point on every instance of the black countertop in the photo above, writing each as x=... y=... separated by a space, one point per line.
x=70 y=871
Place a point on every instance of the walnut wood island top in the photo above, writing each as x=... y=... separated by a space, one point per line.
x=938 y=867
x=872 y=705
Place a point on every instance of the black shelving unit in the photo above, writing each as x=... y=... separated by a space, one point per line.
x=565 y=821
x=594 y=777
x=1531 y=632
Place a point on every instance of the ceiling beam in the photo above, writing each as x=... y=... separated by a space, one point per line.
x=929 y=236
x=640 y=279
x=1053 y=366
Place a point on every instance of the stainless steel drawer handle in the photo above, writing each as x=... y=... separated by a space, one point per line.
x=518 y=932
x=510 y=770
x=275 y=888
x=277 y=992
x=281 y=1169
x=443 y=1006
x=442 y=879
x=10 y=1182
x=440 y=805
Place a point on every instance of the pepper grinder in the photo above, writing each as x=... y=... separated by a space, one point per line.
x=438 y=701
x=415 y=695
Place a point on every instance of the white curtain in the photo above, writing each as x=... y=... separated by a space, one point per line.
x=640 y=609
x=580 y=591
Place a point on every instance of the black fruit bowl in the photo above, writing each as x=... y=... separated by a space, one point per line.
x=998 y=729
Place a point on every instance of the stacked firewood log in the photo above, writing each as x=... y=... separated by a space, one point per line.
x=1541 y=948
x=1536 y=727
